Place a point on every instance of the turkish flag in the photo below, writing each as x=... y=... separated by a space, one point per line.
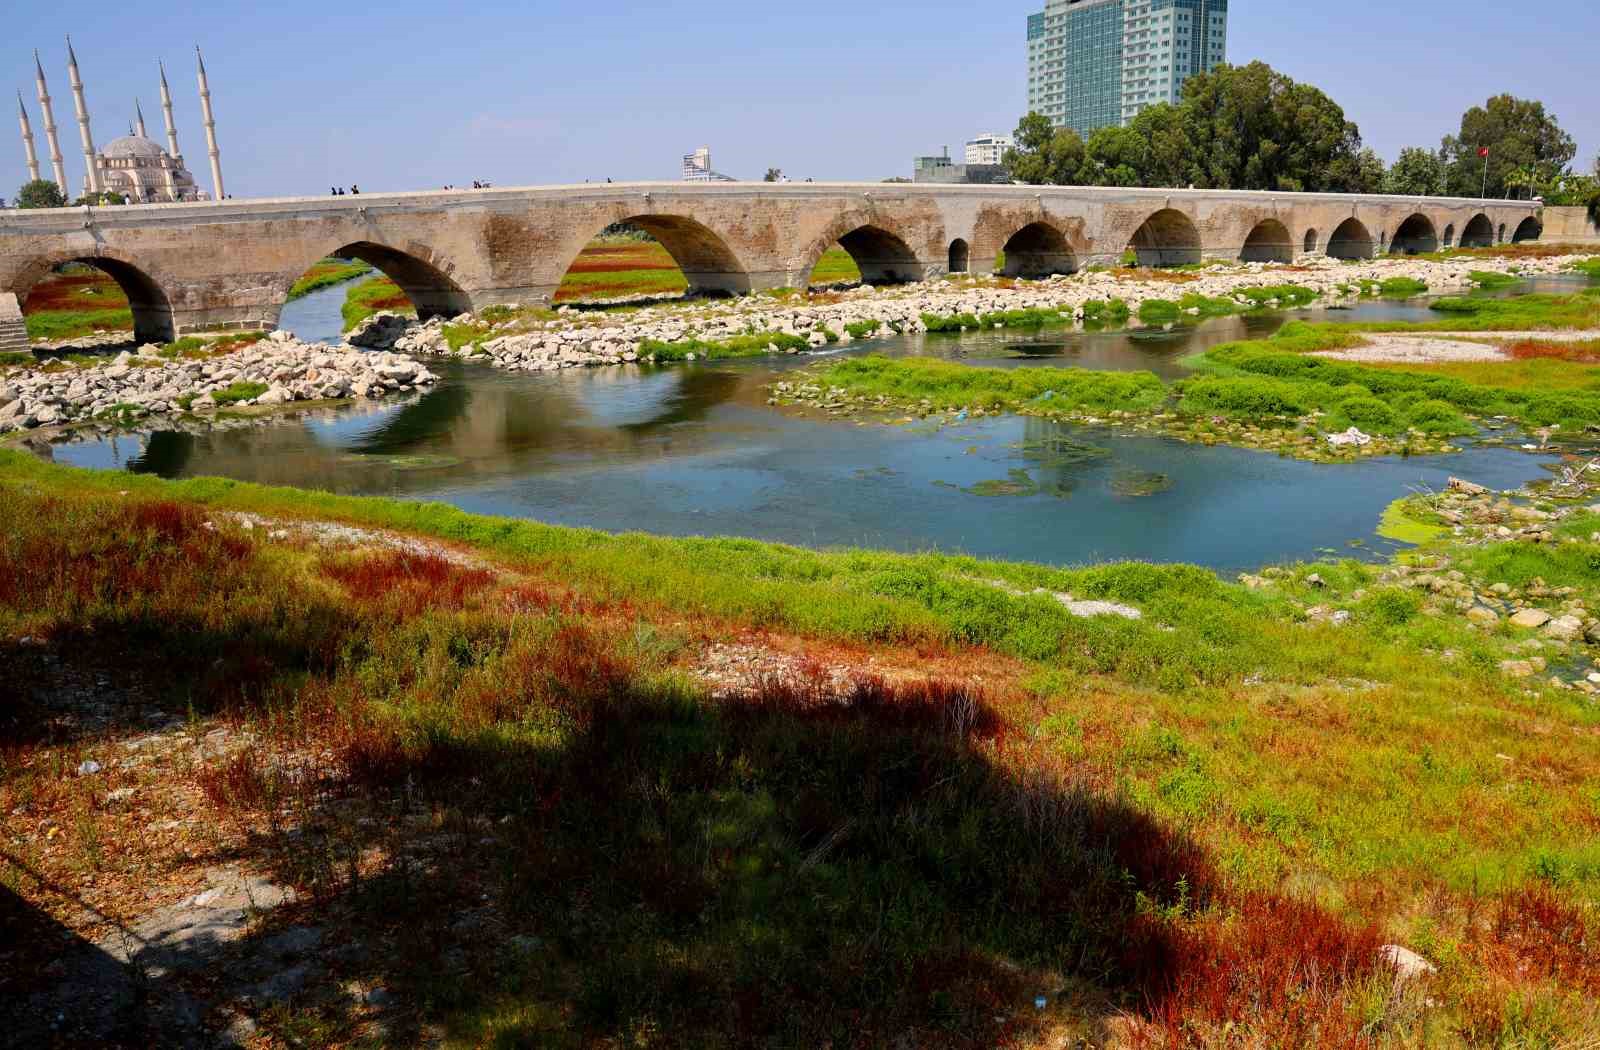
x=1483 y=152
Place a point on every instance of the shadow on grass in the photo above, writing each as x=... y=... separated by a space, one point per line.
x=782 y=872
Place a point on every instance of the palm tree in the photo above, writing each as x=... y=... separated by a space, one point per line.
x=1522 y=178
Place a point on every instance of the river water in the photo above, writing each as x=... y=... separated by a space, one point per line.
x=695 y=450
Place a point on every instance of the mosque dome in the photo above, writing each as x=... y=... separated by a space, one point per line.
x=133 y=146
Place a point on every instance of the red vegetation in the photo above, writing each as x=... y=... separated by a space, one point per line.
x=1537 y=935
x=1280 y=968
x=644 y=256
x=404 y=584
x=138 y=552
x=90 y=290
x=574 y=673
x=956 y=708
x=1586 y=353
x=239 y=782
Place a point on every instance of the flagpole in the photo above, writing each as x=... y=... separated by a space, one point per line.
x=1484 y=193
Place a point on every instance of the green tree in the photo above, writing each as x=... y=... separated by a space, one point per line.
x=1518 y=133
x=1115 y=156
x=1237 y=127
x=773 y=175
x=1368 y=174
x=104 y=197
x=40 y=193
x=1253 y=128
x=1417 y=173
x=1045 y=155
x=1594 y=198
x=1169 y=158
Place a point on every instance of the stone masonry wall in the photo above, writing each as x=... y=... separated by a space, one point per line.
x=13 y=333
x=1569 y=226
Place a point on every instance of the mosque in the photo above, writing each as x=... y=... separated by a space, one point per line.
x=134 y=166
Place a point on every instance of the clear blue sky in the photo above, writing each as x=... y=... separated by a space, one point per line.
x=412 y=94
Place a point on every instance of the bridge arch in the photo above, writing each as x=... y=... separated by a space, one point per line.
x=1450 y=235
x=420 y=274
x=1039 y=249
x=882 y=255
x=1417 y=234
x=960 y=256
x=1529 y=229
x=1351 y=240
x=707 y=262
x=1478 y=232
x=147 y=300
x=1268 y=241
x=1166 y=238
x=1310 y=245
x=1502 y=238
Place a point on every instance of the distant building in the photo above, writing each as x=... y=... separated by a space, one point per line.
x=988 y=148
x=697 y=167
x=1097 y=63
x=942 y=170
x=923 y=169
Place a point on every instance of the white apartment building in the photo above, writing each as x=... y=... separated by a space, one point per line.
x=988 y=148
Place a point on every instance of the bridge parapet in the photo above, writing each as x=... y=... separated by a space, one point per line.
x=230 y=264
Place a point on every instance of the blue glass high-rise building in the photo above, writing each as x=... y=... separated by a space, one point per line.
x=1094 y=63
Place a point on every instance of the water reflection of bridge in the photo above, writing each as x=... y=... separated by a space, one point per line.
x=475 y=424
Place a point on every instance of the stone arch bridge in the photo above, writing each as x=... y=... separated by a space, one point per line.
x=229 y=265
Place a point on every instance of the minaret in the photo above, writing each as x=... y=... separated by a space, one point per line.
x=27 y=140
x=172 y=134
x=211 y=127
x=57 y=165
x=166 y=107
x=83 y=119
x=138 y=112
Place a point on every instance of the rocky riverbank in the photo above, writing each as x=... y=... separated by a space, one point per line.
x=1535 y=629
x=537 y=340
x=274 y=371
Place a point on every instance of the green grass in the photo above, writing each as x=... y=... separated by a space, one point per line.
x=950 y=385
x=1165 y=311
x=1430 y=399
x=752 y=345
x=835 y=267
x=1538 y=311
x=1105 y=312
x=373 y=296
x=1409 y=520
x=242 y=390
x=1402 y=287
x=1286 y=295
x=1491 y=280
x=326 y=274
x=55 y=325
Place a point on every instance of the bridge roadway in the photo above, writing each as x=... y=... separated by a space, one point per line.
x=229 y=265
